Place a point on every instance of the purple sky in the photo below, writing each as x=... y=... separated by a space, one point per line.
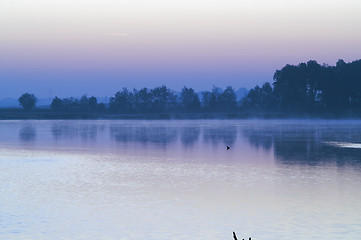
x=69 y=48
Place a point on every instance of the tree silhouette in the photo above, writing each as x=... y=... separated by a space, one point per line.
x=56 y=104
x=122 y=101
x=27 y=101
x=189 y=100
x=70 y=104
x=84 y=103
x=211 y=99
x=227 y=99
x=260 y=98
x=163 y=99
x=143 y=100
x=93 y=103
x=309 y=87
x=290 y=88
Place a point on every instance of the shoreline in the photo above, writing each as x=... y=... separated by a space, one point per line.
x=47 y=114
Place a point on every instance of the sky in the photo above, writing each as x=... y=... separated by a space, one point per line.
x=73 y=47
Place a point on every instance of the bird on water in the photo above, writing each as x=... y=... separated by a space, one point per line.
x=228 y=148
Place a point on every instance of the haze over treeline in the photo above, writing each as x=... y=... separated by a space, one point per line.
x=308 y=88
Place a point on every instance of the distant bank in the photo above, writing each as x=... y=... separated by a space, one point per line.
x=307 y=90
x=48 y=114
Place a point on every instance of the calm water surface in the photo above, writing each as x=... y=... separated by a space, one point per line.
x=176 y=180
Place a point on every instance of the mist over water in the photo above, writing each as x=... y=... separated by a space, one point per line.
x=168 y=179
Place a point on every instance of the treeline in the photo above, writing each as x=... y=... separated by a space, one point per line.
x=310 y=88
x=307 y=88
x=84 y=104
x=156 y=100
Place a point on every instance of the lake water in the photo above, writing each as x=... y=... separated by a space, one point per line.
x=171 y=179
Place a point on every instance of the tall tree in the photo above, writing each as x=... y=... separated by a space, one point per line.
x=260 y=98
x=143 y=100
x=227 y=99
x=27 y=101
x=56 y=104
x=93 y=103
x=290 y=88
x=211 y=99
x=70 y=104
x=189 y=100
x=84 y=103
x=163 y=99
x=122 y=101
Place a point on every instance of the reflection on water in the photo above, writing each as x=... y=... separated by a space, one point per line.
x=27 y=133
x=176 y=179
x=86 y=132
x=190 y=135
x=259 y=136
x=143 y=134
x=301 y=142
x=344 y=144
x=308 y=143
x=225 y=135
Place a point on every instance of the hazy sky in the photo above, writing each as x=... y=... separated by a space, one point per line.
x=71 y=47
